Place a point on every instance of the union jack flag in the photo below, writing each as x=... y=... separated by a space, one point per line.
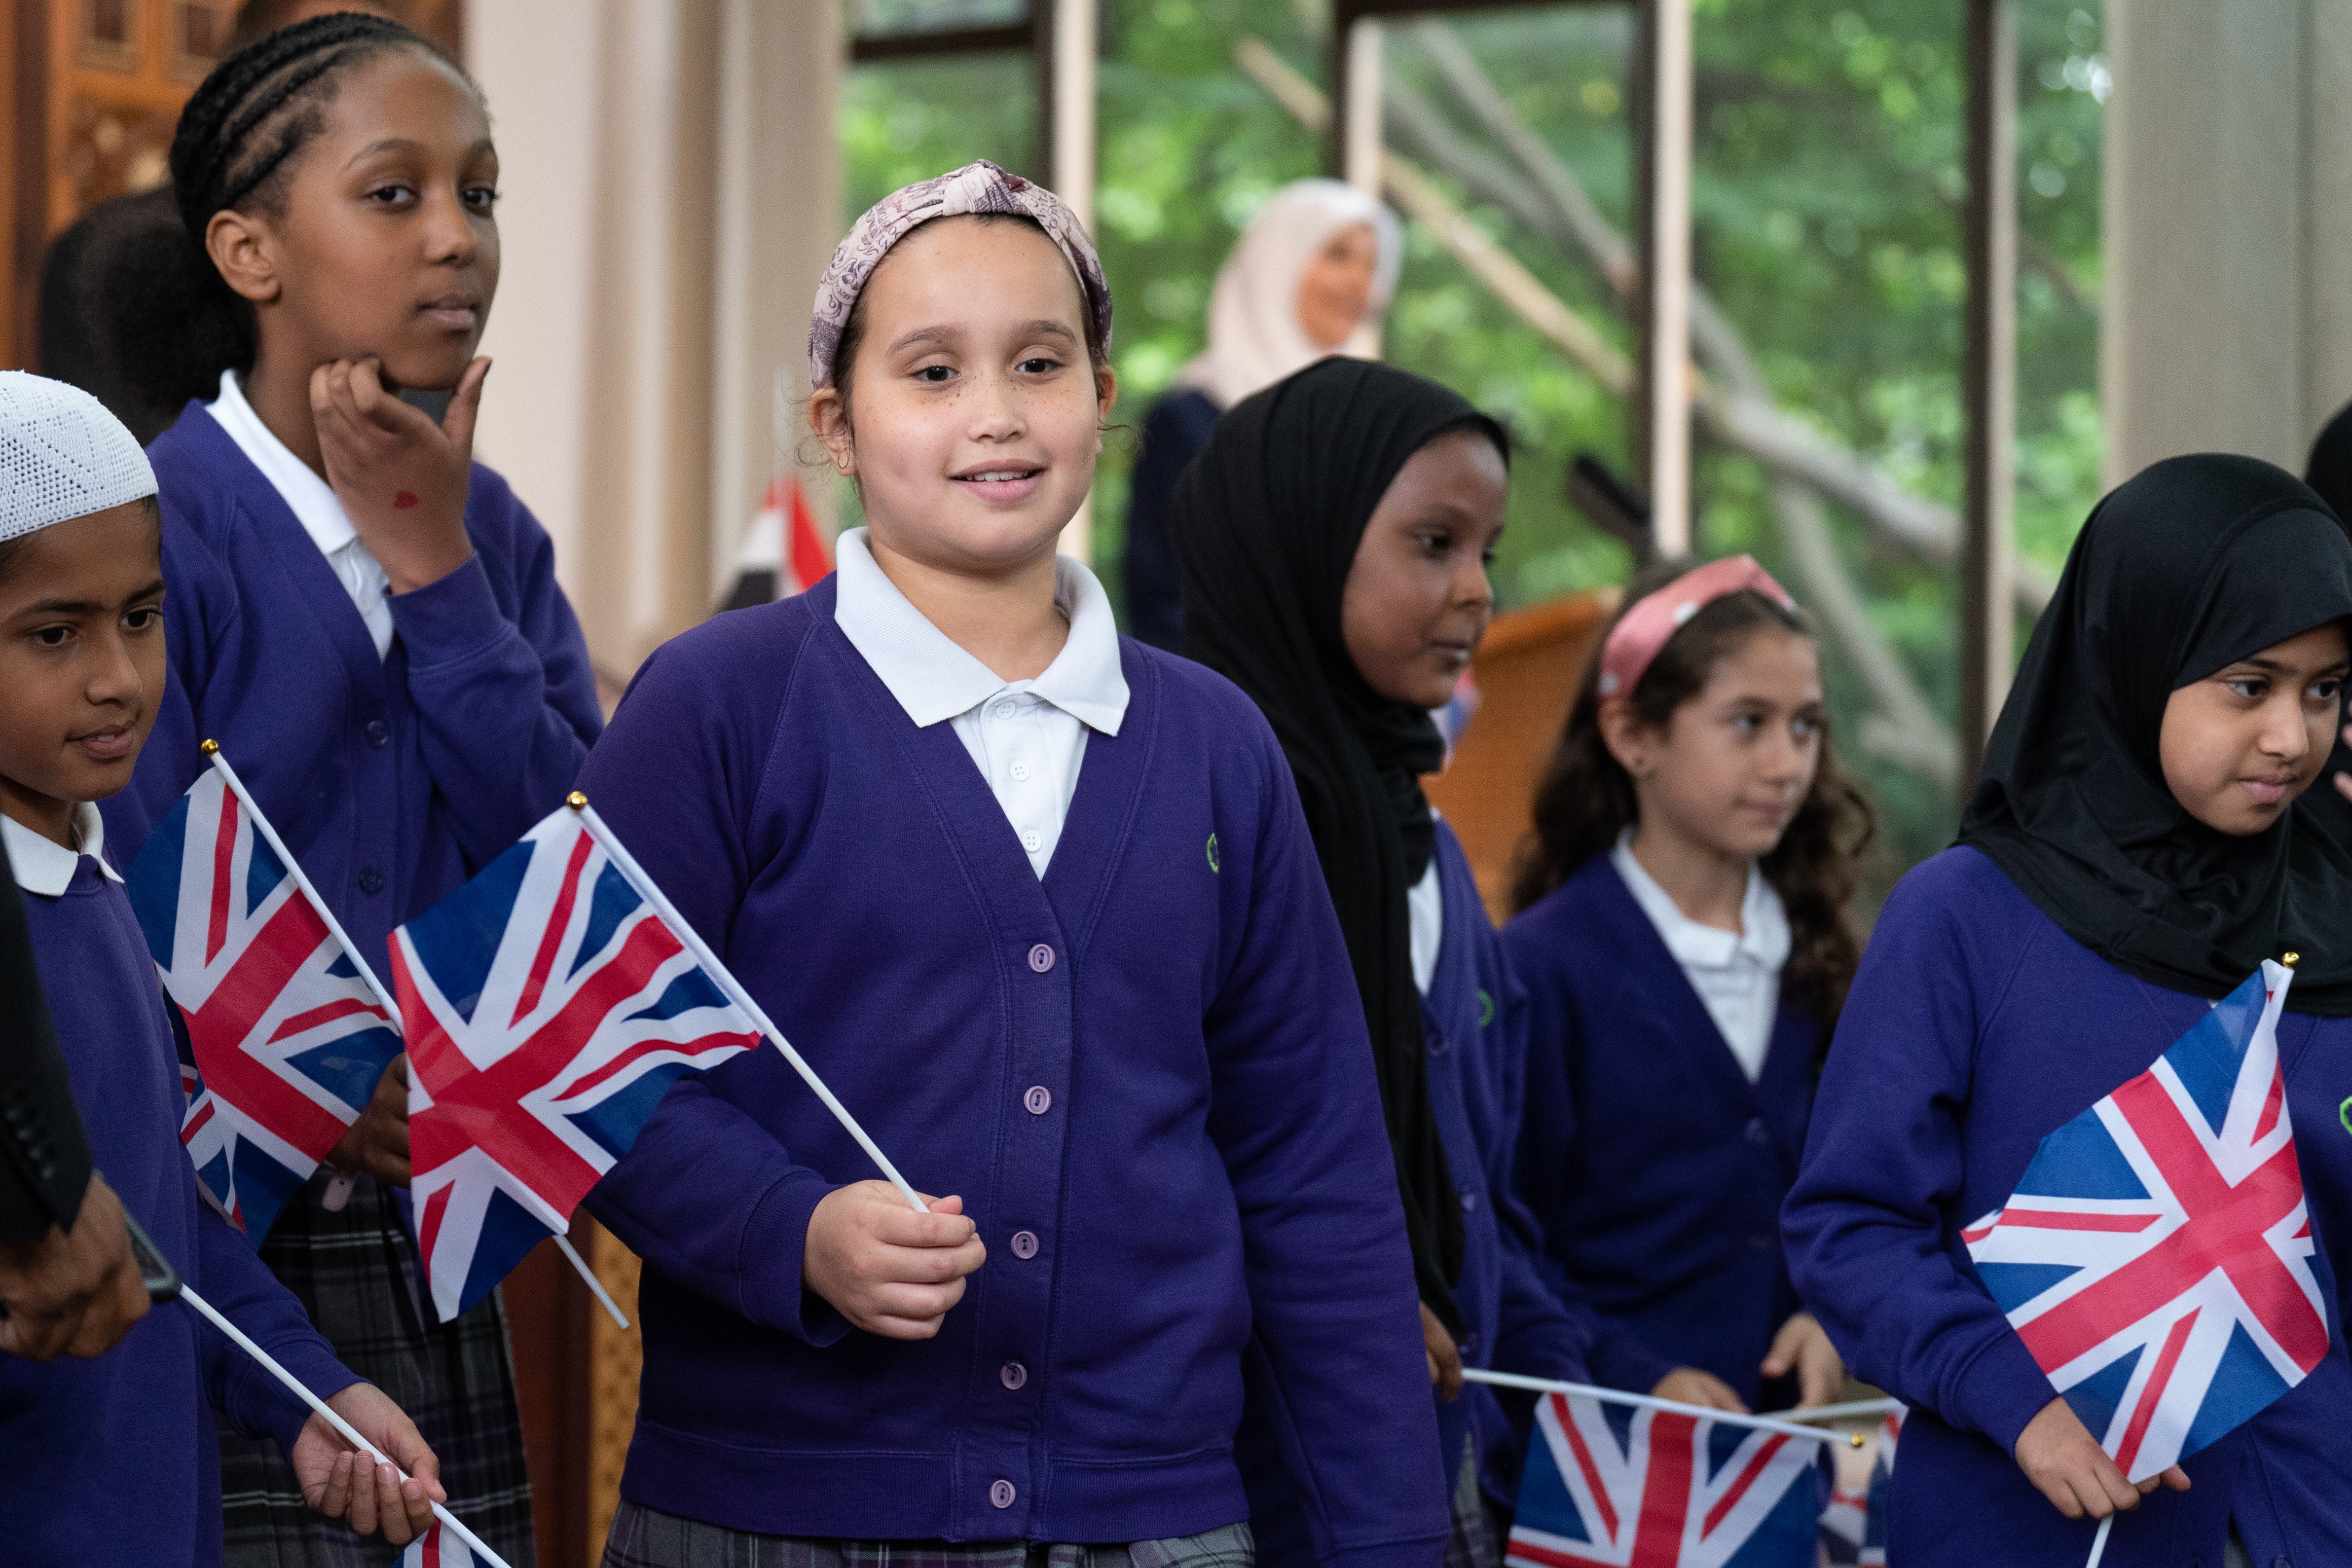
x=284 y=1040
x=439 y=1547
x=2156 y=1258
x=548 y=1009
x=1652 y=1488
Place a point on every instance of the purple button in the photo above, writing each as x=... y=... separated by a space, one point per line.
x=1041 y=958
x=1039 y=1100
x=1000 y=1494
x=1013 y=1375
x=1024 y=1246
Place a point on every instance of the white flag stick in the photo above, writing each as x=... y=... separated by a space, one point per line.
x=734 y=990
x=351 y=1434
x=339 y=1186
x=2099 y=1542
x=1841 y=1412
x=595 y=1286
x=1651 y=1402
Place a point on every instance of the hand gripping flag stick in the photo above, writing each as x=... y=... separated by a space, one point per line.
x=1651 y=1402
x=733 y=990
x=350 y=1434
x=338 y=1187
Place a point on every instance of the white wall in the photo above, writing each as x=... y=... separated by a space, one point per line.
x=670 y=192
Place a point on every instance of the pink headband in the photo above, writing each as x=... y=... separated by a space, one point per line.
x=980 y=187
x=1642 y=631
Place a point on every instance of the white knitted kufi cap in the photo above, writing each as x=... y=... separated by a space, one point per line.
x=62 y=455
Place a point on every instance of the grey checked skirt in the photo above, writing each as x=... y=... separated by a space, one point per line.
x=355 y=1273
x=647 y=1538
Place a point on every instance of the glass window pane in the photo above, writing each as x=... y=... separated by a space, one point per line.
x=903 y=121
x=869 y=18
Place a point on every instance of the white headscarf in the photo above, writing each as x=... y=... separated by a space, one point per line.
x=1254 y=338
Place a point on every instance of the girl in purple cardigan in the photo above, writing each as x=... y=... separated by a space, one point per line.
x=2139 y=842
x=366 y=620
x=1039 y=903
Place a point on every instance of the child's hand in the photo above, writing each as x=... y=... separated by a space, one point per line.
x=1691 y=1386
x=73 y=1292
x=341 y=1483
x=1803 y=1347
x=888 y=1269
x=401 y=477
x=377 y=1143
x=1445 y=1360
x=2059 y=1454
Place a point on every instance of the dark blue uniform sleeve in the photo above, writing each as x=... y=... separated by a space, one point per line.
x=508 y=706
x=706 y=1196
x=1296 y=1115
x=1867 y=1229
x=238 y=1285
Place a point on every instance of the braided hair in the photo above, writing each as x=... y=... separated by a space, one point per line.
x=177 y=324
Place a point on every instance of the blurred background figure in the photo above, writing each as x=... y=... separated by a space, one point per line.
x=1310 y=277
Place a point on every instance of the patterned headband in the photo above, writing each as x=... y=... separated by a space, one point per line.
x=1656 y=617
x=976 y=188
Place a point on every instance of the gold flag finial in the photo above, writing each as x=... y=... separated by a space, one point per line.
x=2293 y=959
x=210 y=748
x=576 y=800
x=1856 y=1438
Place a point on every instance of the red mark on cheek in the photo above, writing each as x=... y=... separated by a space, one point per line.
x=405 y=499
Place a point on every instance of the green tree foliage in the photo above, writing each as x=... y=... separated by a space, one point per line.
x=1827 y=193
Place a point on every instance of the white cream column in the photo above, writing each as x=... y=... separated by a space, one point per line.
x=2226 y=322
x=1075 y=44
x=670 y=190
x=1663 y=419
x=777 y=219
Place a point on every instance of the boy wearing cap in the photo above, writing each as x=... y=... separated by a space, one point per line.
x=113 y=1460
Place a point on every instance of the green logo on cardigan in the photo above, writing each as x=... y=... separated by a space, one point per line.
x=1485 y=1007
x=2344 y=1113
x=1213 y=852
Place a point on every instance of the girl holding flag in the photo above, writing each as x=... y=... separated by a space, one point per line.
x=1682 y=934
x=2137 y=845
x=1038 y=902
x=1334 y=540
x=367 y=620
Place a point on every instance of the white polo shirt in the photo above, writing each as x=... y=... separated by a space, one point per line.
x=1736 y=973
x=1026 y=737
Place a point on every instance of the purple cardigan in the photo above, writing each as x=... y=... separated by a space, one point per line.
x=1147 y=1076
x=1656 y=1169
x=114 y=1459
x=393 y=779
x=1975 y=1028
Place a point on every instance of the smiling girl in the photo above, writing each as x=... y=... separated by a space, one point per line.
x=1038 y=901
x=2138 y=843
x=366 y=620
x=1334 y=540
x=1682 y=936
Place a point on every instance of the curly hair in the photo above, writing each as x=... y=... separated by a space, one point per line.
x=175 y=323
x=1587 y=798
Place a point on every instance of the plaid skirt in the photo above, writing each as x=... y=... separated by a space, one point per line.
x=356 y=1274
x=649 y=1538
x=1471 y=1539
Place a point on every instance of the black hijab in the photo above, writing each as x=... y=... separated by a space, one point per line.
x=1265 y=523
x=2193 y=565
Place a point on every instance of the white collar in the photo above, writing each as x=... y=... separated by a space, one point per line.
x=934 y=679
x=47 y=867
x=1762 y=939
x=311 y=498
